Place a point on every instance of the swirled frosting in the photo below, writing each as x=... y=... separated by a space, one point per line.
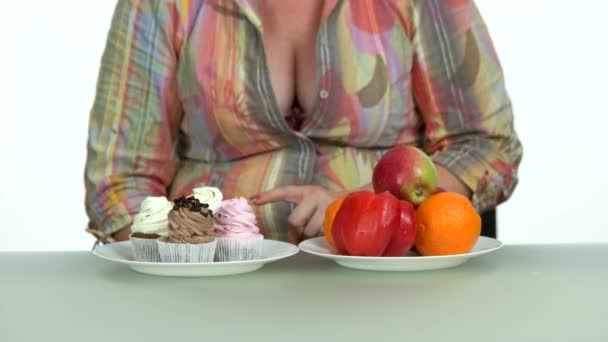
x=191 y=221
x=235 y=218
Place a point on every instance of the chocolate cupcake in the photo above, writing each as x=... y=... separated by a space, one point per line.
x=191 y=235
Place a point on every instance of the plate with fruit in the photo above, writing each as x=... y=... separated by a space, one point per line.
x=411 y=262
x=405 y=224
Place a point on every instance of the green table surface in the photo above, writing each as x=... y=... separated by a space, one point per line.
x=519 y=293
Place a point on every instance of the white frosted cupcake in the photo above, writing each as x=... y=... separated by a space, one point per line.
x=238 y=237
x=209 y=195
x=148 y=225
x=191 y=233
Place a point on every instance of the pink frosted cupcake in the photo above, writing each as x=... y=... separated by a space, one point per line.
x=238 y=237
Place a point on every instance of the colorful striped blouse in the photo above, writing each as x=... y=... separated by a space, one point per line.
x=184 y=99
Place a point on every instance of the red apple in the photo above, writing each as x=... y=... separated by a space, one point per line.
x=407 y=173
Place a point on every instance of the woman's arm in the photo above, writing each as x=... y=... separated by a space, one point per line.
x=459 y=91
x=135 y=119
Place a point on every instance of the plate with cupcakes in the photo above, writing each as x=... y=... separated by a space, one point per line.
x=198 y=235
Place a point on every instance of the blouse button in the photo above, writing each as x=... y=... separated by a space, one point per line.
x=324 y=94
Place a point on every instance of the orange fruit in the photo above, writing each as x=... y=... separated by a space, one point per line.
x=447 y=224
x=330 y=215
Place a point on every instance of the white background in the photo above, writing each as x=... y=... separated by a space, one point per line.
x=554 y=54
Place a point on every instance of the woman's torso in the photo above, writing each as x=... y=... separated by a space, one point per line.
x=241 y=68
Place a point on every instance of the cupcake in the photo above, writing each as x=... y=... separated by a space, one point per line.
x=191 y=235
x=209 y=195
x=238 y=237
x=148 y=225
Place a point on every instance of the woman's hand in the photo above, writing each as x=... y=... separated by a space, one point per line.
x=311 y=202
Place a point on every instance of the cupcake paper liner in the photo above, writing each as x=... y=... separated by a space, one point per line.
x=186 y=252
x=238 y=249
x=145 y=249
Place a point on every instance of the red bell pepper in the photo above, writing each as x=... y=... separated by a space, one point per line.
x=369 y=224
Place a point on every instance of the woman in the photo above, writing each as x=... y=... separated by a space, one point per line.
x=291 y=103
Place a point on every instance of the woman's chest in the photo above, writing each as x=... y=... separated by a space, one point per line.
x=289 y=39
x=351 y=74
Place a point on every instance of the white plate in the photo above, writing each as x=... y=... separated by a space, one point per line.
x=318 y=246
x=121 y=252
